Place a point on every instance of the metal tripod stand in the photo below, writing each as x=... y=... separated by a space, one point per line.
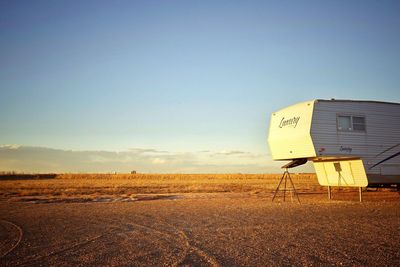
x=292 y=190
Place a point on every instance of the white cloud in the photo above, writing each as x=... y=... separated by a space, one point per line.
x=147 y=151
x=230 y=152
x=40 y=159
x=158 y=161
x=11 y=146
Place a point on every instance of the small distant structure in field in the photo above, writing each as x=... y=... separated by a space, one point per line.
x=133 y=172
x=351 y=143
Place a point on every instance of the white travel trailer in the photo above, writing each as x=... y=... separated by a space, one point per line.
x=351 y=143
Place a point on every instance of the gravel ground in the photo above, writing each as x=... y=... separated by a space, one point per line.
x=220 y=229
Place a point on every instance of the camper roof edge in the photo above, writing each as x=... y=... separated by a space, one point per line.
x=349 y=100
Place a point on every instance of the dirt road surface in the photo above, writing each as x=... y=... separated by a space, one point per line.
x=219 y=229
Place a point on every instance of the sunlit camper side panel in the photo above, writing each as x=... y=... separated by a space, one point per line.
x=345 y=172
x=289 y=132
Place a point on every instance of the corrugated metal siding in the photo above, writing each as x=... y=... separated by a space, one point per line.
x=382 y=132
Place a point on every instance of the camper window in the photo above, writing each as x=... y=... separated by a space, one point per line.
x=359 y=123
x=344 y=123
x=350 y=123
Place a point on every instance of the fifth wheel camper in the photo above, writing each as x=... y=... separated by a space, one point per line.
x=350 y=142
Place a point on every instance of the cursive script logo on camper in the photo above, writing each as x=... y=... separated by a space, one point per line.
x=346 y=149
x=291 y=122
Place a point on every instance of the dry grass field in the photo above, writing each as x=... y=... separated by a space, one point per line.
x=192 y=220
x=64 y=186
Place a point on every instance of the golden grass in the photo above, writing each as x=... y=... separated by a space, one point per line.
x=127 y=184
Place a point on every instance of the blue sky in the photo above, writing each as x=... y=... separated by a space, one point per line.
x=184 y=76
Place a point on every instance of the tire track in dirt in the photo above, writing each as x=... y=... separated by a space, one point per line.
x=121 y=230
x=80 y=244
x=207 y=257
x=171 y=235
x=72 y=246
x=188 y=247
x=18 y=239
x=171 y=239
